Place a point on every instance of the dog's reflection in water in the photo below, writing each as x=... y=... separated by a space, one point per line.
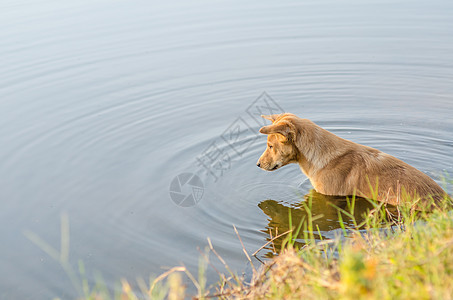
x=323 y=212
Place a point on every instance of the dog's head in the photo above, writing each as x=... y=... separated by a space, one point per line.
x=281 y=149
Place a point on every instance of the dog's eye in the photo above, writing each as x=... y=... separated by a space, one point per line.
x=270 y=146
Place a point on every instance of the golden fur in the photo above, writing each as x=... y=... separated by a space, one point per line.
x=336 y=166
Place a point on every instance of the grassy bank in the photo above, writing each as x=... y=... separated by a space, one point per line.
x=391 y=254
x=385 y=253
x=405 y=260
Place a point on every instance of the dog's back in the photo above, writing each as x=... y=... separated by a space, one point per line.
x=370 y=173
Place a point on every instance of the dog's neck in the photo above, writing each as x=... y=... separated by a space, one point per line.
x=317 y=147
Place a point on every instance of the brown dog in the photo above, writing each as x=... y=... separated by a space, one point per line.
x=336 y=166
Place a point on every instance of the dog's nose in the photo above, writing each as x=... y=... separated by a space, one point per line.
x=258 y=164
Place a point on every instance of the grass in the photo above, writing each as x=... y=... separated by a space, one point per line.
x=387 y=253
x=403 y=260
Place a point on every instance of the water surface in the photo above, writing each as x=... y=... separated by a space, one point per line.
x=103 y=103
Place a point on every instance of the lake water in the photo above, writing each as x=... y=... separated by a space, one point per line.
x=103 y=104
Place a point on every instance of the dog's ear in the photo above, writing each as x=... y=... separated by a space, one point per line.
x=271 y=117
x=281 y=128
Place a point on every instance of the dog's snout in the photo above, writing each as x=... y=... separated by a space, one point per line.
x=258 y=164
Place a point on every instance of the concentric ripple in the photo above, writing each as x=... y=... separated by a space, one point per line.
x=103 y=104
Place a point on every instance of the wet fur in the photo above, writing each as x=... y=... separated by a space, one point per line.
x=336 y=166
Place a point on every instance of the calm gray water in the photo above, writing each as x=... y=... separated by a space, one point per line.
x=103 y=103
